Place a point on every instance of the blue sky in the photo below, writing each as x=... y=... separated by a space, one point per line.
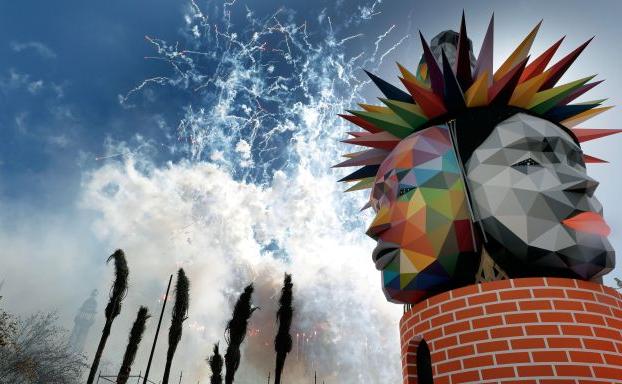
x=93 y=52
x=235 y=196
x=84 y=55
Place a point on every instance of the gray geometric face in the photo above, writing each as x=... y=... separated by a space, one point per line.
x=527 y=179
x=448 y=41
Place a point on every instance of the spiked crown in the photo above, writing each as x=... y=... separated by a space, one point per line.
x=437 y=93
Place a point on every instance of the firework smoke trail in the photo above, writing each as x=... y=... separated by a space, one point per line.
x=263 y=109
x=258 y=87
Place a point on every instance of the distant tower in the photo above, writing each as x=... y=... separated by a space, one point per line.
x=83 y=322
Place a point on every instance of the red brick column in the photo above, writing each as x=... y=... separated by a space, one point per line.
x=532 y=330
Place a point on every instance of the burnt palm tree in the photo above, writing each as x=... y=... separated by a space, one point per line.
x=283 y=340
x=215 y=364
x=236 y=331
x=180 y=312
x=136 y=335
x=117 y=294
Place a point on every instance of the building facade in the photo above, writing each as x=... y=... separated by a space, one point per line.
x=83 y=321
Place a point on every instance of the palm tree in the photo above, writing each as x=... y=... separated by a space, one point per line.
x=283 y=340
x=215 y=364
x=117 y=294
x=236 y=331
x=180 y=311
x=136 y=335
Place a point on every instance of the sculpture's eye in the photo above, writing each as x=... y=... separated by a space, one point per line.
x=404 y=190
x=528 y=162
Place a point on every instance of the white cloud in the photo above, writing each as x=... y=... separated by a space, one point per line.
x=59 y=140
x=20 y=122
x=243 y=148
x=35 y=86
x=37 y=46
x=16 y=80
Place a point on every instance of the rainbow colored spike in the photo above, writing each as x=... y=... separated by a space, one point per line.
x=440 y=92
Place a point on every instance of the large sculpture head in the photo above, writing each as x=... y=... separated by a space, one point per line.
x=472 y=164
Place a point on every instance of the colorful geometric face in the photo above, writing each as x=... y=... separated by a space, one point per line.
x=422 y=223
x=536 y=203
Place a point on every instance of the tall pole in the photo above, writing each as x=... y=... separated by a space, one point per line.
x=268 y=377
x=155 y=339
x=180 y=374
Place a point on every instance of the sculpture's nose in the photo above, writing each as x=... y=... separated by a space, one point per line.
x=582 y=184
x=380 y=224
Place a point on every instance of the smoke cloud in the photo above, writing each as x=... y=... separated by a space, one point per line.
x=226 y=233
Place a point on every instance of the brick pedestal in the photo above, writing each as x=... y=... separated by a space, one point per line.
x=532 y=330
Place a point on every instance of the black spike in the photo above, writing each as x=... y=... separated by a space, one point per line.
x=361 y=173
x=463 y=61
x=454 y=99
x=390 y=91
x=563 y=112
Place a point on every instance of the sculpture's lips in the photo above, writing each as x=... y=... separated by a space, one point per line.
x=384 y=253
x=588 y=222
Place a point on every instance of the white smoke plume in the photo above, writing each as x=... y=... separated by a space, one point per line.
x=255 y=197
x=220 y=230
